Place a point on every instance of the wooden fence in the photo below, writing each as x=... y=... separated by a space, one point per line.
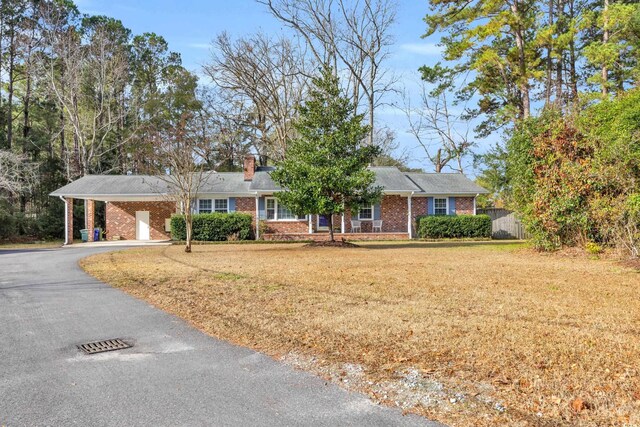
x=505 y=224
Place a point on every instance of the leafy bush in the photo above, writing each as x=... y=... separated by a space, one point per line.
x=457 y=226
x=213 y=227
x=575 y=181
x=7 y=224
x=593 y=248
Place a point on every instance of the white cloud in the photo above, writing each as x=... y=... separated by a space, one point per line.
x=200 y=45
x=427 y=49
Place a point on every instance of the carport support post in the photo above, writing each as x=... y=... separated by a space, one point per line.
x=410 y=215
x=68 y=220
x=89 y=216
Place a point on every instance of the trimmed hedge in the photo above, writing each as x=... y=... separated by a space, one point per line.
x=454 y=226
x=213 y=227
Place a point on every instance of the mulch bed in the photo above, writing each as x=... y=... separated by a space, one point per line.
x=337 y=244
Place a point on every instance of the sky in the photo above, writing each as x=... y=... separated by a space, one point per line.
x=190 y=25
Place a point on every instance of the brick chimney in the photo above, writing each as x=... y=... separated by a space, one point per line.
x=249 y=167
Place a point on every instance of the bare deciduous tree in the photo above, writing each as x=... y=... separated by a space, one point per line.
x=17 y=174
x=267 y=76
x=352 y=36
x=176 y=152
x=95 y=73
x=443 y=134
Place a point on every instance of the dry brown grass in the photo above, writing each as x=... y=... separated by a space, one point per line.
x=468 y=334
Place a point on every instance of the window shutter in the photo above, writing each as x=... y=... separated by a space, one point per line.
x=452 y=205
x=376 y=211
x=430 y=206
x=262 y=208
x=195 y=206
x=231 y=204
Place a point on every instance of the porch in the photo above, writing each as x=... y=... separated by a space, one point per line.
x=323 y=236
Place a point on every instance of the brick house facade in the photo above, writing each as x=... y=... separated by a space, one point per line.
x=136 y=206
x=121 y=219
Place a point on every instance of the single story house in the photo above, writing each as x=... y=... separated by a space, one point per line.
x=138 y=207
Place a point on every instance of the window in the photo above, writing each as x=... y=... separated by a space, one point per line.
x=276 y=211
x=213 y=205
x=204 y=206
x=221 y=205
x=365 y=213
x=440 y=206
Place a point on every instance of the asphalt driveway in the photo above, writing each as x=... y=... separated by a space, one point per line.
x=173 y=375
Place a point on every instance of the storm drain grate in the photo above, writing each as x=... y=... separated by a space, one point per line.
x=102 y=346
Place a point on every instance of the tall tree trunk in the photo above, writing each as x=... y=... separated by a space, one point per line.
x=605 y=40
x=525 y=108
x=549 y=62
x=12 y=57
x=560 y=62
x=573 y=73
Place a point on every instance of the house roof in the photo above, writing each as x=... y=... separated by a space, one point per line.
x=445 y=183
x=390 y=178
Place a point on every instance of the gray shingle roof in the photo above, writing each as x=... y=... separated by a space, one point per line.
x=390 y=178
x=393 y=181
x=445 y=183
x=113 y=185
x=146 y=185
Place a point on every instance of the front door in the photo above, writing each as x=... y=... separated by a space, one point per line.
x=142 y=225
x=323 y=222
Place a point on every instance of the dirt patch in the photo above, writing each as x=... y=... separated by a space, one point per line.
x=328 y=244
x=632 y=263
x=468 y=334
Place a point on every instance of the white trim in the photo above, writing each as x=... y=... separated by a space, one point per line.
x=447 y=205
x=474 y=204
x=318 y=224
x=275 y=214
x=310 y=224
x=373 y=214
x=342 y=226
x=213 y=204
x=409 y=222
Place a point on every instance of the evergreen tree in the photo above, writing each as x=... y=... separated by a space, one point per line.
x=325 y=171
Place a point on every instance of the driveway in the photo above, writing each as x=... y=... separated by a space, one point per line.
x=173 y=375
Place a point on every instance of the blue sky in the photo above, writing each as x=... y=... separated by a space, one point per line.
x=189 y=26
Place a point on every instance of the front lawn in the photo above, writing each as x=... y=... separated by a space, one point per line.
x=468 y=333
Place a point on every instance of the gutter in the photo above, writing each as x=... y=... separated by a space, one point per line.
x=66 y=220
x=410 y=225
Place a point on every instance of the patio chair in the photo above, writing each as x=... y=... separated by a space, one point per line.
x=356 y=227
x=377 y=226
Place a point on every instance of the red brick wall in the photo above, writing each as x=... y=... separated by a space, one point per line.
x=393 y=213
x=69 y=220
x=464 y=205
x=418 y=208
x=121 y=218
x=285 y=227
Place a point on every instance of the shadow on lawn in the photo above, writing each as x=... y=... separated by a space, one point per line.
x=444 y=244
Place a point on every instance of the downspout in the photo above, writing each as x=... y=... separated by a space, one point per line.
x=66 y=220
x=474 y=204
x=409 y=222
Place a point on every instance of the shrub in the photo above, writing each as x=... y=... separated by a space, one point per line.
x=213 y=227
x=456 y=226
x=593 y=248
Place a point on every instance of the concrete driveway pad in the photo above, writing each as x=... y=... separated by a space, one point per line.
x=173 y=375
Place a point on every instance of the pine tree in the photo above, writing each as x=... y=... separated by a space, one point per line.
x=325 y=171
